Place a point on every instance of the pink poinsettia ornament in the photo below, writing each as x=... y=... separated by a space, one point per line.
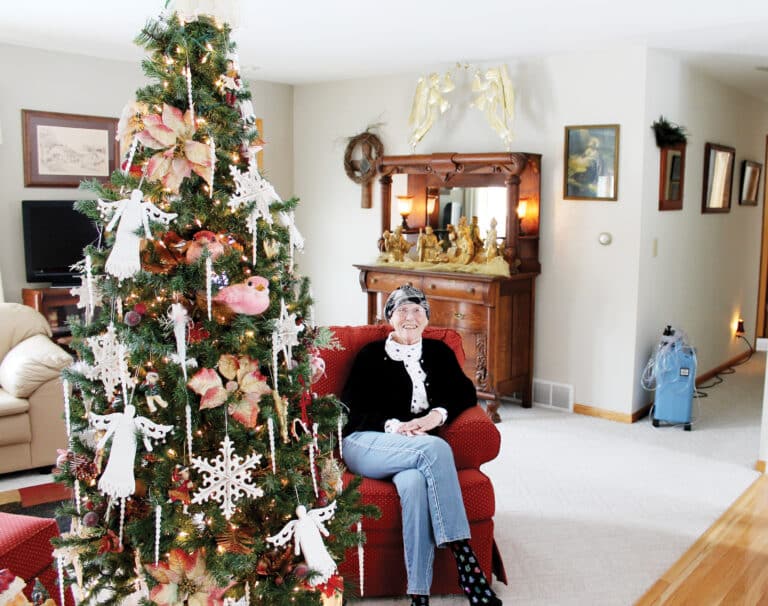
x=172 y=132
x=244 y=379
x=183 y=579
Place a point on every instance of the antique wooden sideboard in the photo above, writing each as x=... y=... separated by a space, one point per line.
x=493 y=315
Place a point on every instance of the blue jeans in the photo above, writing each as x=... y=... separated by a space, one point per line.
x=423 y=471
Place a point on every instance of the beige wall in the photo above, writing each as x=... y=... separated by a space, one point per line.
x=58 y=82
x=598 y=308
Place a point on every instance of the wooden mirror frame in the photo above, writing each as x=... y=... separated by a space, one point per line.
x=710 y=154
x=671 y=176
x=518 y=172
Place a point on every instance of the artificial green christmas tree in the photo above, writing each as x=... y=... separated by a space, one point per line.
x=198 y=455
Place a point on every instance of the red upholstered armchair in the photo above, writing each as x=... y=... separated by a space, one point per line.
x=474 y=440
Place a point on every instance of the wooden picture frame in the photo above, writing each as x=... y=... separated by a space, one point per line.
x=718 y=178
x=750 y=182
x=591 y=169
x=60 y=150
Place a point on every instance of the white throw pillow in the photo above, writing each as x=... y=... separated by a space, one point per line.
x=31 y=363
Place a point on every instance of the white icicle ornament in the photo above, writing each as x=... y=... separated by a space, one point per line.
x=306 y=531
x=118 y=480
x=179 y=316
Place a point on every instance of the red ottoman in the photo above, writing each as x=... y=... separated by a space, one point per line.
x=26 y=550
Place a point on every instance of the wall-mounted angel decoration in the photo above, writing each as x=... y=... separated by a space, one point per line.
x=132 y=213
x=118 y=480
x=306 y=531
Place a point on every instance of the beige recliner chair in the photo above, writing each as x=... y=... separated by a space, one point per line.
x=31 y=396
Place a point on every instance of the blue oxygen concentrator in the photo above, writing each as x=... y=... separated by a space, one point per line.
x=673 y=368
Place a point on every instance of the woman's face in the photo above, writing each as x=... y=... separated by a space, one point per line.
x=409 y=321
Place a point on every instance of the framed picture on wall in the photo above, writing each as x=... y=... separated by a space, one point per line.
x=591 y=162
x=750 y=182
x=60 y=150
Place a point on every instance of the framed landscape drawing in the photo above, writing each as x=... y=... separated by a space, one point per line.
x=60 y=150
x=591 y=162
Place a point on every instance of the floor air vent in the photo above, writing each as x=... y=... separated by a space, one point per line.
x=553 y=395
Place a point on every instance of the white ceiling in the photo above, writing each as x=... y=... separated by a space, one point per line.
x=299 y=41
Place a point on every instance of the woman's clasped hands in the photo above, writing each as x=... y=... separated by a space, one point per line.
x=420 y=425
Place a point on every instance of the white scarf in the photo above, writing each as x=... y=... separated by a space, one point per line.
x=410 y=356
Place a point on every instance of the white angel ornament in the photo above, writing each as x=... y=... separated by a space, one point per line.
x=118 y=480
x=132 y=213
x=306 y=531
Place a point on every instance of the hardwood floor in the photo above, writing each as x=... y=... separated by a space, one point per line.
x=727 y=565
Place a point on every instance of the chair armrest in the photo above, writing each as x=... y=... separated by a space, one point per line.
x=473 y=438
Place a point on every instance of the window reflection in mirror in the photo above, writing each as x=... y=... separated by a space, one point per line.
x=718 y=178
x=485 y=203
x=672 y=177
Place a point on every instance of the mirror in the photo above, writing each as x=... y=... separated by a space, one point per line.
x=718 y=178
x=672 y=177
x=446 y=204
x=750 y=182
x=445 y=186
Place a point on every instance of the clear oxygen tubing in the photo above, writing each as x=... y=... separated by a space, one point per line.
x=664 y=357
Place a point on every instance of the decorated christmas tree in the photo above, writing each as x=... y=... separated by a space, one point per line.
x=203 y=468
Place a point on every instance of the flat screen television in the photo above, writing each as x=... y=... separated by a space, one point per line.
x=54 y=237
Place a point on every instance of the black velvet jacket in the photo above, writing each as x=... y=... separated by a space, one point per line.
x=379 y=388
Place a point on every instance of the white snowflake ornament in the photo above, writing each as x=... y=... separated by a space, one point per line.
x=110 y=362
x=286 y=333
x=250 y=187
x=227 y=478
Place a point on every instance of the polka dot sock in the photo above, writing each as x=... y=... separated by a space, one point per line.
x=419 y=600
x=471 y=577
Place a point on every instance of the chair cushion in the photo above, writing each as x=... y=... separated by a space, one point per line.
x=473 y=438
x=11 y=405
x=19 y=322
x=15 y=429
x=25 y=544
x=31 y=363
x=476 y=490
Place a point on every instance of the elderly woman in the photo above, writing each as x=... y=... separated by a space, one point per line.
x=399 y=391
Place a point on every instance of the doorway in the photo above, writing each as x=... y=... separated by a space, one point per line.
x=762 y=291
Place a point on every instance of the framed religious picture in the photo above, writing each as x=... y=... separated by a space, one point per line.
x=591 y=162
x=60 y=150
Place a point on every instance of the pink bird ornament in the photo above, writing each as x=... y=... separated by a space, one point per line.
x=249 y=298
x=200 y=241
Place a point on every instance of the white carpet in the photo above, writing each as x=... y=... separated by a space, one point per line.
x=593 y=512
